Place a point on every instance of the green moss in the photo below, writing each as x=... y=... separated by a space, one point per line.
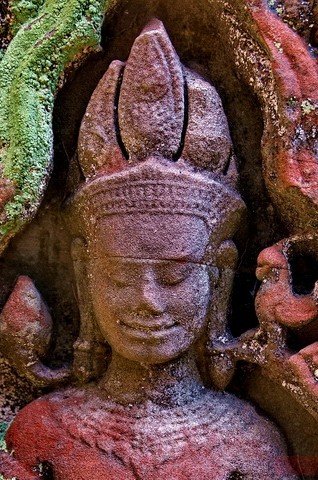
x=23 y=11
x=3 y=428
x=307 y=106
x=29 y=76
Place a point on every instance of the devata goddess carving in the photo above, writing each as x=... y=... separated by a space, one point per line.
x=154 y=261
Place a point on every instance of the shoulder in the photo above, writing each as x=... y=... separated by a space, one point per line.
x=36 y=427
x=39 y=412
x=242 y=415
x=254 y=441
x=238 y=419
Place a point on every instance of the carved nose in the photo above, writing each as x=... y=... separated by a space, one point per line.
x=150 y=301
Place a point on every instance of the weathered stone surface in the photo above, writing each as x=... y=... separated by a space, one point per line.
x=151 y=245
x=98 y=139
x=300 y=15
x=253 y=57
x=25 y=334
x=207 y=141
x=151 y=101
x=122 y=443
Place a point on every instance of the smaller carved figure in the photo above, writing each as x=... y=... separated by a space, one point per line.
x=154 y=262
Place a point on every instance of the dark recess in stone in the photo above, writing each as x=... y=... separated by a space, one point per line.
x=5 y=19
x=304 y=270
x=236 y=476
x=185 y=121
x=118 y=135
x=47 y=471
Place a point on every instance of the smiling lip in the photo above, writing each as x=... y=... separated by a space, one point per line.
x=144 y=329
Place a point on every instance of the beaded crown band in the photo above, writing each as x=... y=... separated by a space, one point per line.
x=158 y=187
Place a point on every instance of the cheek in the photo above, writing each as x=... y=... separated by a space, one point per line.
x=117 y=299
x=107 y=297
x=189 y=302
x=106 y=300
x=100 y=293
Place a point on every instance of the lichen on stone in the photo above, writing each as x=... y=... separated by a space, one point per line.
x=3 y=429
x=29 y=77
x=23 y=11
x=308 y=106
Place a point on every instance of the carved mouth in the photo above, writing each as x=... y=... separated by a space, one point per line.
x=148 y=328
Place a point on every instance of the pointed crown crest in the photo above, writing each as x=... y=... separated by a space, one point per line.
x=155 y=138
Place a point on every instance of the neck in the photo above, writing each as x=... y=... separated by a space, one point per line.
x=170 y=384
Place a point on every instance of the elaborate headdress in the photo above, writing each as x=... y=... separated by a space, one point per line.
x=154 y=138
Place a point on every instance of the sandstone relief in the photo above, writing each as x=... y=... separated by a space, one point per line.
x=134 y=331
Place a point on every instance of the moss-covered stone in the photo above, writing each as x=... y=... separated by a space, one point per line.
x=13 y=14
x=29 y=76
x=23 y=11
x=3 y=429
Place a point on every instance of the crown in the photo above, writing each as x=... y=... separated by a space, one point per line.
x=159 y=186
x=155 y=138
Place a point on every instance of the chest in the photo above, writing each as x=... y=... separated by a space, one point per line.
x=123 y=447
x=83 y=462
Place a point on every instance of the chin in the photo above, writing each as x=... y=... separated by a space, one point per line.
x=151 y=354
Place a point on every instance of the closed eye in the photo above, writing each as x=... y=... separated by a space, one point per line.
x=173 y=273
x=120 y=273
x=119 y=282
x=120 y=277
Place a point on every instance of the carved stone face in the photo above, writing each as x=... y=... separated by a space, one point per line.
x=149 y=290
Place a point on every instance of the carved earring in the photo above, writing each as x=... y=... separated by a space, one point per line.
x=221 y=369
x=90 y=349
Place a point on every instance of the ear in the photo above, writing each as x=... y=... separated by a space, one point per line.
x=222 y=368
x=90 y=348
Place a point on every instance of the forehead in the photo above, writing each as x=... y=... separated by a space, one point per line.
x=161 y=236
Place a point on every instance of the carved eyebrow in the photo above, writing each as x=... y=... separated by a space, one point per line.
x=183 y=259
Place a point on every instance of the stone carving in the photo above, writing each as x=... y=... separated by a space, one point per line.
x=279 y=310
x=154 y=259
x=25 y=334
